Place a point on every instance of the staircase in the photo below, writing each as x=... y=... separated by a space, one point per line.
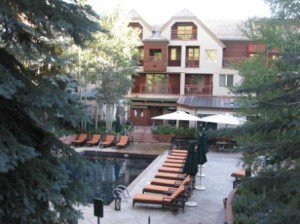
x=142 y=134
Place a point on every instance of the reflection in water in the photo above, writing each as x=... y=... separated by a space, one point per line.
x=104 y=174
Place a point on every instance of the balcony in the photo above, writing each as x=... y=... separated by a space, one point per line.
x=203 y=90
x=179 y=35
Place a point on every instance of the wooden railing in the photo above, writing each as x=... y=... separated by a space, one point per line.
x=197 y=90
x=156 y=89
x=188 y=35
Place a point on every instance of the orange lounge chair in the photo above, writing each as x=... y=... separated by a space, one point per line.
x=174 y=161
x=123 y=142
x=174 y=165
x=167 y=189
x=178 y=154
x=170 y=170
x=81 y=139
x=94 y=140
x=176 y=157
x=109 y=139
x=176 y=199
x=172 y=176
x=182 y=151
x=166 y=182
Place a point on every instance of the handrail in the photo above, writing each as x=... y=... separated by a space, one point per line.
x=121 y=190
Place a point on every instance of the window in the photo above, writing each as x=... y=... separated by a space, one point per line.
x=185 y=32
x=155 y=54
x=226 y=80
x=193 y=53
x=211 y=55
x=173 y=54
x=157 y=82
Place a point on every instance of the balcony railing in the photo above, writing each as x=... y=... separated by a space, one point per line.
x=198 y=89
x=191 y=63
x=156 y=89
x=188 y=35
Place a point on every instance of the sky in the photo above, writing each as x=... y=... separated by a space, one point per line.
x=160 y=11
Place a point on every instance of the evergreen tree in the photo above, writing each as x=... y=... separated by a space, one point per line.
x=37 y=184
x=270 y=140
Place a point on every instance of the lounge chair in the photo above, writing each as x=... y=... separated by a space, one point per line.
x=176 y=157
x=170 y=170
x=178 y=154
x=123 y=142
x=94 y=140
x=166 y=182
x=176 y=199
x=174 y=161
x=172 y=176
x=182 y=151
x=168 y=189
x=109 y=140
x=174 y=165
x=81 y=139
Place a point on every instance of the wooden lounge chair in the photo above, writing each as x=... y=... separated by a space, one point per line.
x=182 y=151
x=174 y=165
x=166 y=182
x=172 y=176
x=94 y=140
x=123 y=142
x=167 y=189
x=109 y=140
x=176 y=199
x=170 y=170
x=176 y=157
x=174 y=161
x=81 y=139
x=178 y=154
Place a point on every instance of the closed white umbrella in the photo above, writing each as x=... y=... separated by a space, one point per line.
x=224 y=119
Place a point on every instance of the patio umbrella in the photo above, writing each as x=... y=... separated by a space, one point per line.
x=224 y=119
x=178 y=116
x=201 y=157
x=191 y=166
x=191 y=162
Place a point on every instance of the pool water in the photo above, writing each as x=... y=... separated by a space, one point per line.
x=106 y=173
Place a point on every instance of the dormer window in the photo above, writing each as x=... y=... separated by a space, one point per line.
x=184 y=31
x=138 y=27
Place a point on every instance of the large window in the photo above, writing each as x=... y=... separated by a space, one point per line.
x=192 y=55
x=226 y=80
x=157 y=82
x=211 y=55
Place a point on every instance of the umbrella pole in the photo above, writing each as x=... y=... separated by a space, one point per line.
x=200 y=187
x=200 y=167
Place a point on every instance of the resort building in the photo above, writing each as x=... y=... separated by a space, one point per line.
x=184 y=65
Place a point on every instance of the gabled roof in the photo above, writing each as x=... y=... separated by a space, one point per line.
x=136 y=17
x=185 y=14
x=227 y=29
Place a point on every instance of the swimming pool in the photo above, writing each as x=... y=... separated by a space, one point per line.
x=108 y=170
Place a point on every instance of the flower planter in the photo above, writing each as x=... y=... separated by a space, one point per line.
x=164 y=138
x=228 y=207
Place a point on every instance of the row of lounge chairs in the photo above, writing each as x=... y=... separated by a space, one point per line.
x=103 y=141
x=169 y=187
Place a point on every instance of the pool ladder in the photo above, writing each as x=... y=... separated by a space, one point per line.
x=121 y=191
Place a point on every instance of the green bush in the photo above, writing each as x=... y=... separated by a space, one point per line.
x=177 y=132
